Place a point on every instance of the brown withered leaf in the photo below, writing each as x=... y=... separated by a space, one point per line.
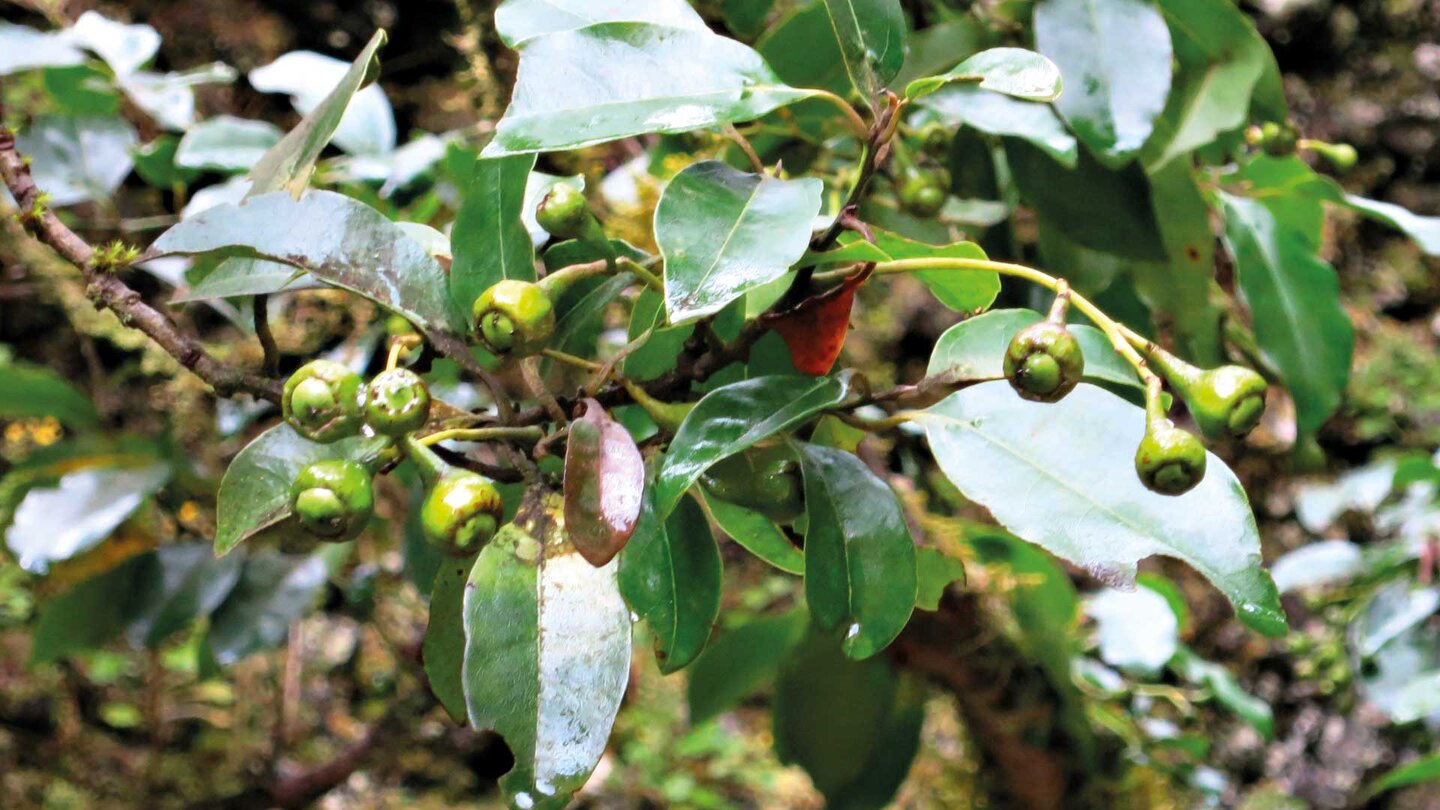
x=604 y=481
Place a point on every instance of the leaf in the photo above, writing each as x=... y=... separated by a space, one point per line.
x=521 y=20
x=967 y=104
x=1136 y=629
x=859 y=556
x=364 y=124
x=190 y=582
x=756 y=533
x=871 y=36
x=1219 y=58
x=255 y=492
x=443 y=651
x=169 y=98
x=491 y=242
x=1299 y=323
x=30 y=391
x=1418 y=772
x=578 y=327
x=849 y=724
x=803 y=50
x=935 y=570
x=1425 y=231
x=604 y=484
x=125 y=48
x=974 y=349
x=85 y=505
x=735 y=417
x=659 y=353
x=272 y=592
x=289 y=163
x=740 y=663
x=1313 y=565
x=1062 y=476
x=1013 y=72
x=93 y=612
x=724 y=232
x=77 y=160
x=226 y=144
x=960 y=290
x=336 y=239
x=241 y=277
x=815 y=329
x=547 y=654
x=1181 y=288
x=670 y=574
x=1117 y=56
x=23 y=48
x=639 y=78
x=1226 y=691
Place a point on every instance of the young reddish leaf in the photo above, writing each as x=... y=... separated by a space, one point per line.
x=815 y=328
x=604 y=479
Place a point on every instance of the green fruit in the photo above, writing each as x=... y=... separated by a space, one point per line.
x=461 y=512
x=921 y=193
x=563 y=212
x=333 y=500
x=514 y=318
x=1044 y=362
x=397 y=402
x=1224 y=401
x=321 y=401
x=1169 y=461
x=764 y=479
x=1278 y=140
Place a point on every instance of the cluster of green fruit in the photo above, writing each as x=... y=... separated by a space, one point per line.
x=1044 y=362
x=333 y=500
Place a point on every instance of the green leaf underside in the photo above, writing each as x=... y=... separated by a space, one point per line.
x=871 y=38
x=1116 y=54
x=226 y=143
x=1062 y=476
x=1013 y=72
x=547 y=655
x=443 y=651
x=724 y=232
x=1300 y=324
x=273 y=591
x=757 y=534
x=521 y=20
x=670 y=574
x=289 y=163
x=255 y=492
x=336 y=239
x=974 y=349
x=639 y=78
x=740 y=662
x=965 y=104
x=1424 y=230
x=732 y=418
x=960 y=290
x=491 y=242
x=859 y=556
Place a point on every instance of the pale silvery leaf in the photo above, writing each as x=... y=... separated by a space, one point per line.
x=368 y=126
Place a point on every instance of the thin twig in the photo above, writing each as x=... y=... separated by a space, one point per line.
x=270 y=365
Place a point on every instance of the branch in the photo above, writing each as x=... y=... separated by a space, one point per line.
x=110 y=292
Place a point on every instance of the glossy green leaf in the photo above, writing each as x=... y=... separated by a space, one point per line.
x=227 y=144
x=734 y=417
x=852 y=725
x=289 y=163
x=443 y=651
x=670 y=574
x=1425 y=231
x=29 y=391
x=336 y=239
x=579 y=325
x=802 y=48
x=639 y=78
x=273 y=591
x=190 y=582
x=967 y=104
x=86 y=504
x=974 y=349
x=740 y=663
x=1219 y=58
x=1116 y=55
x=859 y=556
x=1062 y=476
x=255 y=492
x=724 y=232
x=491 y=242
x=934 y=572
x=547 y=654
x=659 y=353
x=871 y=36
x=757 y=534
x=77 y=159
x=1179 y=290
x=960 y=290
x=1012 y=72
x=1300 y=325
x=521 y=20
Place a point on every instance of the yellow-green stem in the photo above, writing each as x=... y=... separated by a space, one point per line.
x=571 y=360
x=531 y=433
x=857 y=124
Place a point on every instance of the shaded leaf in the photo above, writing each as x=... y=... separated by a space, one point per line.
x=739 y=663
x=871 y=37
x=1004 y=452
x=960 y=290
x=1225 y=690
x=640 y=78
x=29 y=391
x=757 y=534
x=443 y=651
x=272 y=592
x=1013 y=72
x=670 y=574
x=1425 y=769
x=491 y=241
x=189 y=583
x=1180 y=288
x=93 y=612
x=967 y=104
x=934 y=571
x=604 y=484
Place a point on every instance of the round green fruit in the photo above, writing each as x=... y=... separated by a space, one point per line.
x=921 y=193
x=563 y=211
x=1169 y=460
x=333 y=500
x=461 y=513
x=321 y=401
x=514 y=318
x=1044 y=362
x=397 y=402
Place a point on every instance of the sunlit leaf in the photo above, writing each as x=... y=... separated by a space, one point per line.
x=1012 y=72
